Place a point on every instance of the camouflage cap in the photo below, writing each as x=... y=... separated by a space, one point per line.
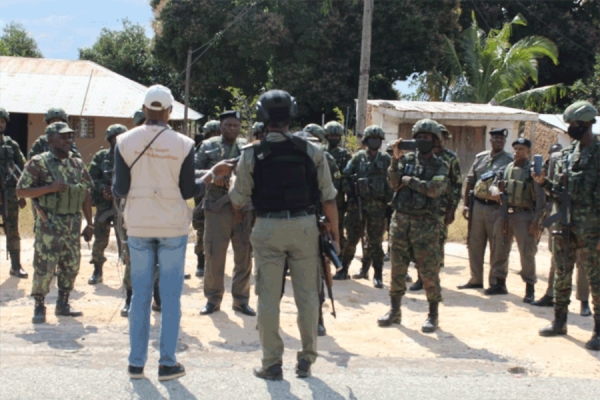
x=580 y=111
x=58 y=127
x=56 y=113
x=4 y=114
x=427 y=126
x=333 y=128
x=211 y=126
x=114 y=130
x=139 y=118
x=374 y=131
x=316 y=131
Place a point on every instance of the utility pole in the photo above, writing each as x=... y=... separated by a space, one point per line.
x=188 y=69
x=365 y=64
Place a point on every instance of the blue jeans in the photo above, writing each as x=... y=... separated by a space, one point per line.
x=144 y=255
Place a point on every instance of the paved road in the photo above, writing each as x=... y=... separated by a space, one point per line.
x=39 y=365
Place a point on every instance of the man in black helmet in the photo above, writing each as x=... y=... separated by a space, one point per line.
x=286 y=178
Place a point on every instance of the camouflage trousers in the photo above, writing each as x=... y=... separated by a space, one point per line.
x=342 y=207
x=418 y=238
x=582 y=241
x=198 y=225
x=443 y=238
x=56 y=245
x=373 y=221
x=11 y=229
x=102 y=236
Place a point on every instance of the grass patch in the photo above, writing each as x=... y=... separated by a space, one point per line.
x=458 y=231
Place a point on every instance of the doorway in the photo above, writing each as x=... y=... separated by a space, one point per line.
x=17 y=130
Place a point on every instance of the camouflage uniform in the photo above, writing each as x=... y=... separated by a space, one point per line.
x=450 y=199
x=419 y=183
x=341 y=156
x=584 y=188
x=367 y=173
x=11 y=157
x=41 y=145
x=57 y=240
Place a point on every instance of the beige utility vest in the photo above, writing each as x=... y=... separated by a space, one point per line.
x=155 y=207
x=519 y=186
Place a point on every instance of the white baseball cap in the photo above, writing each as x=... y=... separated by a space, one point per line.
x=159 y=94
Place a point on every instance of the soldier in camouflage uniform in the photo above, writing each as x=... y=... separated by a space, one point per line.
x=333 y=133
x=222 y=224
x=258 y=130
x=59 y=185
x=41 y=144
x=365 y=178
x=419 y=179
x=11 y=162
x=578 y=173
x=449 y=200
x=209 y=130
x=101 y=171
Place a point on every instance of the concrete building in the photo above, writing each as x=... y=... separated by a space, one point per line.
x=468 y=123
x=94 y=97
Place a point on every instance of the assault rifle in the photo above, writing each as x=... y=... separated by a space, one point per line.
x=356 y=195
x=563 y=216
x=328 y=252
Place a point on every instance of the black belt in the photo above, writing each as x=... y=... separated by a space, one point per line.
x=486 y=202
x=512 y=210
x=285 y=214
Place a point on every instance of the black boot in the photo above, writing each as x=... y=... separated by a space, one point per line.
x=342 y=274
x=418 y=285
x=431 y=324
x=63 y=308
x=364 y=272
x=558 y=326
x=545 y=301
x=125 y=310
x=15 y=265
x=529 y=293
x=394 y=316
x=594 y=343
x=321 y=331
x=498 y=288
x=378 y=277
x=97 y=275
x=39 y=312
x=585 y=309
x=156 y=305
x=200 y=266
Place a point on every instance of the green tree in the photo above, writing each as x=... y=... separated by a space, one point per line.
x=483 y=68
x=128 y=52
x=16 y=42
x=310 y=48
x=587 y=89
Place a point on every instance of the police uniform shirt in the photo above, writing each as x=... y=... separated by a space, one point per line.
x=241 y=190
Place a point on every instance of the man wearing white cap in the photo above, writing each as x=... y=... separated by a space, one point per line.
x=154 y=171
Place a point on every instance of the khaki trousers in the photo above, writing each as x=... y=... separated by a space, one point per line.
x=276 y=241
x=219 y=230
x=482 y=233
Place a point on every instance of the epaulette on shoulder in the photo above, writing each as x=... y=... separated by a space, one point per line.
x=249 y=145
x=241 y=141
x=483 y=153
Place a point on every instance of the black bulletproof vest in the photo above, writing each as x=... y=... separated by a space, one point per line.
x=285 y=178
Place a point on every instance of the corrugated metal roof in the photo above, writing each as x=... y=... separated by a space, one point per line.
x=81 y=88
x=446 y=110
x=554 y=120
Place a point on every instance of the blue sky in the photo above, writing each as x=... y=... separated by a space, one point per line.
x=60 y=27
